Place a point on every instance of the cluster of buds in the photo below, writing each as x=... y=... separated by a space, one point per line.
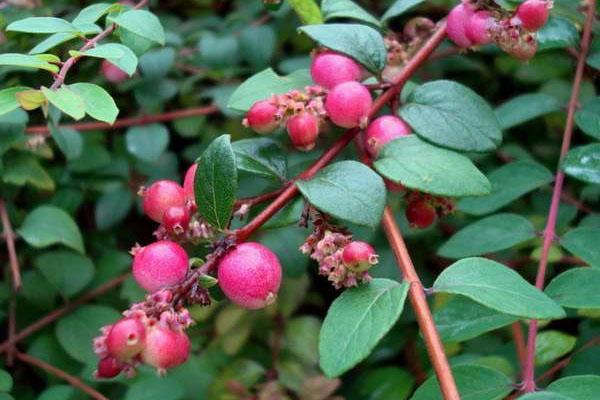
x=423 y=209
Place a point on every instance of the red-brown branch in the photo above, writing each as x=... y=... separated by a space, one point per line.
x=59 y=373
x=528 y=384
x=9 y=238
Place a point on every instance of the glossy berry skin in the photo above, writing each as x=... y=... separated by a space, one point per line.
x=160 y=196
x=359 y=256
x=126 y=339
x=383 y=130
x=348 y=104
x=420 y=214
x=188 y=183
x=477 y=28
x=108 y=367
x=456 y=25
x=250 y=275
x=329 y=69
x=303 y=130
x=176 y=219
x=533 y=14
x=160 y=265
x=262 y=117
x=112 y=73
x=165 y=348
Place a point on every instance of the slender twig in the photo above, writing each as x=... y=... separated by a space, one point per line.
x=59 y=373
x=528 y=384
x=9 y=238
x=253 y=201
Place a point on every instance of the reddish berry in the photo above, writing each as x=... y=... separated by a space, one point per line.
x=329 y=69
x=165 y=348
x=359 y=256
x=250 y=275
x=112 y=73
x=262 y=117
x=533 y=14
x=383 y=130
x=456 y=25
x=126 y=339
x=348 y=104
x=108 y=367
x=188 y=183
x=303 y=130
x=176 y=219
x=477 y=30
x=160 y=196
x=420 y=214
x=393 y=186
x=159 y=265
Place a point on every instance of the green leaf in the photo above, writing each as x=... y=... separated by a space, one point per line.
x=452 y=115
x=474 y=382
x=583 y=242
x=112 y=207
x=265 y=84
x=147 y=142
x=257 y=45
x=308 y=11
x=461 y=319
x=509 y=182
x=142 y=23
x=551 y=345
x=69 y=141
x=383 y=384
x=157 y=63
x=583 y=163
x=6 y=381
x=12 y=129
x=27 y=61
x=22 y=168
x=8 y=100
x=557 y=33
x=581 y=387
x=593 y=60
x=260 y=156
x=48 y=225
x=347 y=190
x=497 y=286
x=219 y=51
x=216 y=182
x=398 y=8
x=543 y=396
x=356 y=321
x=588 y=118
x=576 y=288
x=67 y=271
x=346 y=9
x=118 y=54
x=94 y=12
x=419 y=165
x=155 y=388
x=524 y=108
x=41 y=25
x=302 y=338
x=361 y=42
x=66 y=100
x=99 y=104
x=52 y=41
x=488 y=235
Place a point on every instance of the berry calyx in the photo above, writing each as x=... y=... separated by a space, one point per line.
x=188 y=183
x=126 y=339
x=383 y=130
x=477 y=29
x=108 y=367
x=533 y=14
x=359 y=256
x=250 y=275
x=160 y=196
x=329 y=69
x=262 y=117
x=456 y=25
x=348 y=104
x=420 y=214
x=159 y=265
x=176 y=219
x=112 y=73
x=303 y=130
x=165 y=348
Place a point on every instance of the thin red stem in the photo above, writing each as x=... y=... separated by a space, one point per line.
x=519 y=338
x=566 y=361
x=9 y=238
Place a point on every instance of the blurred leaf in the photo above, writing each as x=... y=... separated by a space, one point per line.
x=6 y=381
x=557 y=33
x=551 y=345
x=241 y=372
x=142 y=23
x=524 y=108
x=398 y=8
x=48 y=225
x=219 y=51
x=307 y=10
x=68 y=272
x=583 y=163
x=257 y=44
x=582 y=387
x=260 y=156
x=147 y=142
x=593 y=60
x=157 y=63
x=346 y=9
x=588 y=118
x=59 y=392
x=112 y=207
x=302 y=338
x=383 y=384
x=576 y=288
x=69 y=141
x=583 y=242
x=22 y=60
x=155 y=388
x=8 y=100
x=22 y=168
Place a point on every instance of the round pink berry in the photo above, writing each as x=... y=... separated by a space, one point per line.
x=456 y=25
x=303 y=130
x=108 y=367
x=176 y=219
x=348 y=104
x=126 y=339
x=262 y=117
x=188 y=182
x=533 y=14
x=112 y=73
x=329 y=69
x=383 y=130
x=477 y=29
x=160 y=196
x=165 y=348
x=159 y=265
x=359 y=256
x=250 y=275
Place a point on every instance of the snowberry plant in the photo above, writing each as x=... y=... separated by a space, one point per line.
x=400 y=152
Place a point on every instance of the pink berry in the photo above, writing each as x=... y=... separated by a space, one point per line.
x=456 y=25
x=108 y=367
x=477 y=29
x=126 y=339
x=348 y=104
x=160 y=196
x=176 y=219
x=262 y=117
x=533 y=14
x=303 y=130
x=250 y=275
x=329 y=69
x=159 y=265
x=112 y=73
x=165 y=348
x=359 y=256
x=383 y=130
x=420 y=214
x=188 y=183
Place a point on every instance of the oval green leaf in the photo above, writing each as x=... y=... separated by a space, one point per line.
x=48 y=225
x=576 y=288
x=583 y=242
x=583 y=163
